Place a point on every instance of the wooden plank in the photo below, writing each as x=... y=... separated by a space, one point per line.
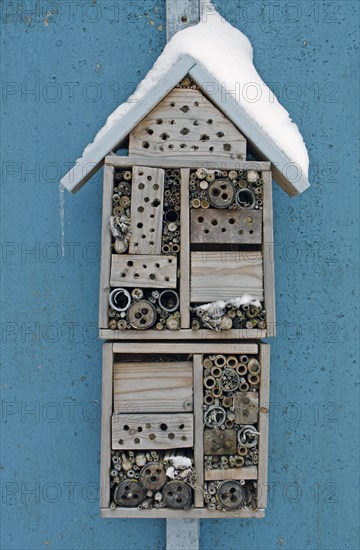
x=185 y=162
x=182 y=347
x=225 y=275
x=93 y=157
x=263 y=425
x=223 y=99
x=153 y=387
x=108 y=186
x=180 y=15
x=248 y=472
x=184 y=251
x=106 y=411
x=166 y=513
x=184 y=334
x=144 y=271
x=268 y=255
x=185 y=121
x=198 y=431
x=152 y=431
x=147 y=205
x=212 y=225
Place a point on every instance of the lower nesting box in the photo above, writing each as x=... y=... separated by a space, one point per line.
x=184 y=430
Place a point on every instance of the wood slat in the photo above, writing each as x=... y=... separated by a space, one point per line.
x=106 y=410
x=153 y=387
x=198 y=431
x=248 y=472
x=147 y=205
x=186 y=162
x=146 y=431
x=225 y=275
x=108 y=185
x=166 y=513
x=182 y=347
x=264 y=425
x=185 y=121
x=184 y=250
x=268 y=254
x=144 y=271
x=184 y=334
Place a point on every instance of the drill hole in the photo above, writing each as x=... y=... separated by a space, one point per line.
x=171 y=436
x=146 y=145
x=204 y=137
x=220 y=134
x=150 y=131
x=163 y=427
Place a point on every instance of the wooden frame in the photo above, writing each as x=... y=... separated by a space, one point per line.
x=196 y=350
x=185 y=332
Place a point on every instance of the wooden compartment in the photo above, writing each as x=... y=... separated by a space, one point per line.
x=188 y=243
x=153 y=405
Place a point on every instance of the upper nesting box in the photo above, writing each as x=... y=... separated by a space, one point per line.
x=187 y=237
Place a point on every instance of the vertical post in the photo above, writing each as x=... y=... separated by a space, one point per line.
x=180 y=14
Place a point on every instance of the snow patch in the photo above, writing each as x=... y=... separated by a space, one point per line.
x=228 y=55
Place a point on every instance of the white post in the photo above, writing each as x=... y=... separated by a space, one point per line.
x=182 y=533
x=181 y=14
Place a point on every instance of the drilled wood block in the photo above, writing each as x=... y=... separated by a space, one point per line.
x=219 y=442
x=248 y=472
x=147 y=194
x=144 y=271
x=185 y=122
x=226 y=275
x=153 y=387
x=246 y=407
x=212 y=225
x=152 y=431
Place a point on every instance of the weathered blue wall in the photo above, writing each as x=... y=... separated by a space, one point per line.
x=63 y=72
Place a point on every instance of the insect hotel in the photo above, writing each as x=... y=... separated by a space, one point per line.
x=187 y=282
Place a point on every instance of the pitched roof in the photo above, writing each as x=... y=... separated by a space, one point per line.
x=219 y=58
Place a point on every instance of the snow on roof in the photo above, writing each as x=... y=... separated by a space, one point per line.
x=227 y=54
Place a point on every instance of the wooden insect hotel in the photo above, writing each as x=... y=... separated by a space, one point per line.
x=186 y=295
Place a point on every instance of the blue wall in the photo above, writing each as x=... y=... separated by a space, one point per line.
x=62 y=74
